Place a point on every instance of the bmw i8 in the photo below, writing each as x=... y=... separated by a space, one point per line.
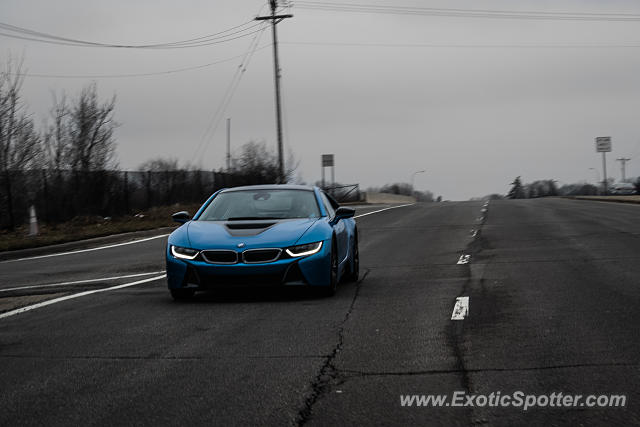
x=266 y=235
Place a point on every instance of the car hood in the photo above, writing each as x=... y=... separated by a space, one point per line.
x=253 y=234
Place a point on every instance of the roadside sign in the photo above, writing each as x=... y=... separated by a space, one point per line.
x=603 y=144
x=327 y=160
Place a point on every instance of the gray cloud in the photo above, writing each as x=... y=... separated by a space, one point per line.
x=474 y=117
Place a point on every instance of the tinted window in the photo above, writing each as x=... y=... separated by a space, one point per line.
x=261 y=204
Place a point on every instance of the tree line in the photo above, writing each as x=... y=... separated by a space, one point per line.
x=549 y=188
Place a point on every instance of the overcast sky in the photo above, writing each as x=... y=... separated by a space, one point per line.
x=473 y=101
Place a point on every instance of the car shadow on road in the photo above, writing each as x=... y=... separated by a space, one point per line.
x=266 y=294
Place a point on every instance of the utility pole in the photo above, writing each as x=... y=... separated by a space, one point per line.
x=275 y=19
x=228 y=145
x=623 y=163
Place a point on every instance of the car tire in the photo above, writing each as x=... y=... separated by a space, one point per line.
x=355 y=262
x=330 y=290
x=182 y=294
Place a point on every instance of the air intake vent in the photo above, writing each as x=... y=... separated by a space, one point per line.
x=220 y=257
x=255 y=256
x=248 y=225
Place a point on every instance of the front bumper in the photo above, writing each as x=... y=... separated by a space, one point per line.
x=313 y=270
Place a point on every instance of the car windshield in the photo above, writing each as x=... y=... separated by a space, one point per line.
x=261 y=204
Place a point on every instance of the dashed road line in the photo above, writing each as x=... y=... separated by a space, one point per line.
x=461 y=309
x=464 y=259
x=79 y=282
x=78 y=295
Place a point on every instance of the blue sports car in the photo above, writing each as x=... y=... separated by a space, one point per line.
x=274 y=235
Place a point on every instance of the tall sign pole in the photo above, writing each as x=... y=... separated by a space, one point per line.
x=605 y=183
x=623 y=163
x=275 y=19
x=327 y=161
x=603 y=145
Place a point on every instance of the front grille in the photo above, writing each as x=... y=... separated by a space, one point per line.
x=257 y=256
x=220 y=257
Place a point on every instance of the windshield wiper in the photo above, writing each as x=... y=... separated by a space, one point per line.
x=250 y=218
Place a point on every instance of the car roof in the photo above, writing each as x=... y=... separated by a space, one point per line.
x=270 y=187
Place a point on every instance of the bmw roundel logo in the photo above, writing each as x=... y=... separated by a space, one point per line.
x=241 y=245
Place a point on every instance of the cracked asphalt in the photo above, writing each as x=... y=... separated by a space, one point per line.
x=553 y=307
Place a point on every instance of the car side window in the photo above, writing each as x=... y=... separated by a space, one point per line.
x=327 y=205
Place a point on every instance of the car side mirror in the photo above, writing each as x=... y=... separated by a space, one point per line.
x=181 y=217
x=343 y=213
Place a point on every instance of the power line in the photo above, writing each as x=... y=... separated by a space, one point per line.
x=466 y=46
x=48 y=35
x=131 y=75
x=466 y=13
x=230 y=34
x=228 y=96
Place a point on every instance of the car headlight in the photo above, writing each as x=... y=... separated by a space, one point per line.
x=184 y=253
x=303 y=250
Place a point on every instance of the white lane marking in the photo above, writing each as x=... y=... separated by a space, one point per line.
x=88 y=250
x=464 y=259
x=385 y=209
x=78 y=282
x=461 y=309
x=78 y=295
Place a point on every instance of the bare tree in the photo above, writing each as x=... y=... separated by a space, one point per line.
x=56 y=137
x=159 y=164
x=91 y=125
x=256 y=164
x=20 y=144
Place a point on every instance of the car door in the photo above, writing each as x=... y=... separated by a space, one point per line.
x=339 y=228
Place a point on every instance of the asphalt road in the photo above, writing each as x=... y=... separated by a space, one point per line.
x=553 y=291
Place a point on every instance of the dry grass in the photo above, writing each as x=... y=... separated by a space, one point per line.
x=86 y=227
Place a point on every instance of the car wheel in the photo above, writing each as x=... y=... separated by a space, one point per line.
x=355 y=262
x=182 y=294
x=333 y=285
